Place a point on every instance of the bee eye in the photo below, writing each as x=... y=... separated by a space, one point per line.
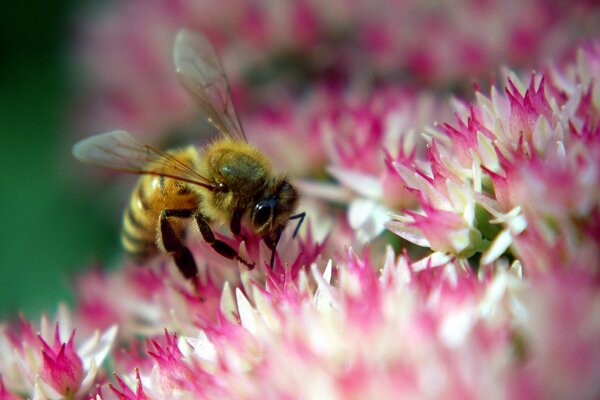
x=263 y=213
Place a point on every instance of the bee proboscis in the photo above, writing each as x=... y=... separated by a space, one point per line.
x=228 y=182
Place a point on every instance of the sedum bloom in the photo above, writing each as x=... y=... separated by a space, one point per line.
x=51 y=364
x=353 y=331
x=271 y=48
x=503 y=301
x=147 y=300
x=345 y=135
x=345 y=333
x=519 y=162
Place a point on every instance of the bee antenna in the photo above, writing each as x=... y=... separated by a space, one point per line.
x=298 y=216
x=274 y=248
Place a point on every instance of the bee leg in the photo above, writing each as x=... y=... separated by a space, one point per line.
x=174 y=246
x=218 y=245
x=298 y=216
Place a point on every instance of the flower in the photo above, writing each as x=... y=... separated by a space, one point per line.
x=146 y=300
x=347 y=337
x=46 y=366
x=492 y=290
x=524 y=160
x=348 y=134
x=272 y=49
x=433 y=333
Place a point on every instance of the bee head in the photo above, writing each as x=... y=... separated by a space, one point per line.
x=272 y=212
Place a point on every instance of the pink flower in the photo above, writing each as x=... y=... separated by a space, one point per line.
x=493 y=290
x=347 y=337
x=4 y=393
x=62 y=368
x=124 y=49
x=347 y=134
x=558 y=327
x=528 y=158
x=146 y=300
x=125 y=393
x=47 y=366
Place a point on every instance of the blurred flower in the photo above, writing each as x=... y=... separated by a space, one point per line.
x=48 y=364
x=558 y=324
x=4 y=393
x=271 y=49
x=344 y=135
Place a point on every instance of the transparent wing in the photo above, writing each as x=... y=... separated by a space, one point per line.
x=119 y=151
x=201 y=74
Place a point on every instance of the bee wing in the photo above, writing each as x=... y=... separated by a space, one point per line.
x=119 y=151
x=201 y=74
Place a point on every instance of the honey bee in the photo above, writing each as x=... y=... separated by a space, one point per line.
x=229 y=182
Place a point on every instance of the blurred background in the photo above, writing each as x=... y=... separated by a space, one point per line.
x=70 y=69
x=51 y=228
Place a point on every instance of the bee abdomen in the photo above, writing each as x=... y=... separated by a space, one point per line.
x=138 y=233
x=136 y=248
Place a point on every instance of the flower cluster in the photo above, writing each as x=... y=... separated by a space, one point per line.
x=348 y=330
x=272 y=48
x=451 y=245
x=49 y=362
x=347 y=136
x=522 y=164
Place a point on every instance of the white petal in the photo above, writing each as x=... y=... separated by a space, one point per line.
x=541 y=135
x=97 y=347
x=63 y=318
x=43 y=391
x=487 y=152
x=325 y=191
x=389 y=263
x=203 y=347
x=462 y=199
x=404 y=272
x=303 y=283
x=493 y=295
x=46 y=331
x=247 y=313
x=433 y=260
x=359 y=212
x=367 y=218
x=409 y=233
x=517 y=224
x=484 y=102
x=460 y=239
x=516 y=269
x=37 y=393
x=88 y=380
x=456 y=326
x=265 y=310
x=498 y=247
x=328 y=272
x=363 y=184
x=227 y=304
x=323 y=298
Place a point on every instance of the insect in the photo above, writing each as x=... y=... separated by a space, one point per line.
x=229 y=182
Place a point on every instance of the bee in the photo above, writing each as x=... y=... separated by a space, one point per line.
x=228 y=182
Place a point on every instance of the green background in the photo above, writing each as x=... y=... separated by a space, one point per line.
x=53 y=224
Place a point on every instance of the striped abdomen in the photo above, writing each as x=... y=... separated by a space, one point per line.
x=151 y=196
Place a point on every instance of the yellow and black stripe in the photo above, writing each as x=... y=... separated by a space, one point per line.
x=138 y=233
